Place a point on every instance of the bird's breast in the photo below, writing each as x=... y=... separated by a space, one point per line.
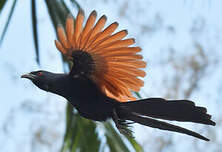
x=91 y=103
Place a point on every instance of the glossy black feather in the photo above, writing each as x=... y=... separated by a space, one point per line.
x=164 y=126
x=179 y=110
x=93 y=104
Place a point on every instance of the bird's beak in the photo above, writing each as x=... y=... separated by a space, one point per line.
x=28 y=76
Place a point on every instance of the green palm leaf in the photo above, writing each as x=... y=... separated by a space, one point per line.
x=8 y=20
x=2 y=4
x=114 y=140
x=34 y=28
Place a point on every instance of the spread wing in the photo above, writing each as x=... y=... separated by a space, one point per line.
x=106 y=57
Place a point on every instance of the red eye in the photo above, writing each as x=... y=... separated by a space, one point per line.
x=39 y=73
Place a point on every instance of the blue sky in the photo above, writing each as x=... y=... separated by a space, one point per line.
x=158 y=27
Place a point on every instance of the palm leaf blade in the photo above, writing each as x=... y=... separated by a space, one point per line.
x=34 y=28
x=2 y=4
x=8 y=21
x=114 y=140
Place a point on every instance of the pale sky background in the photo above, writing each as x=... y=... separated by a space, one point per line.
x=27 y=113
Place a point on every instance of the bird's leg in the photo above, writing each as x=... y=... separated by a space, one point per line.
x=122 y=125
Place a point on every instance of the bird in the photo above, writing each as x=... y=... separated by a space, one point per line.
x=106 y=70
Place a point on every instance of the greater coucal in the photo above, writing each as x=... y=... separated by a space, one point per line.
x=105 y=71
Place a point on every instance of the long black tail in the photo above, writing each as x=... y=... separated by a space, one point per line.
x=178 y=110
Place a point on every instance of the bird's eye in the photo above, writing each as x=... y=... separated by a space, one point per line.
x=39 y=74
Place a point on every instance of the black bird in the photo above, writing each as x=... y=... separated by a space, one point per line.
x=104 y=73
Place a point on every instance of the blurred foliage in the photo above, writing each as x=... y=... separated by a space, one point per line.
x=81 y=134
x=189 y=69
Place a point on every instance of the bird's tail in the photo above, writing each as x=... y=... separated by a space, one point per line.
x=179 y=110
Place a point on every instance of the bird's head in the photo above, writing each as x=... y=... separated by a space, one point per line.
x=41 y=79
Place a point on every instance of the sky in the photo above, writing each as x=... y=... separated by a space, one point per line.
x=164 y=29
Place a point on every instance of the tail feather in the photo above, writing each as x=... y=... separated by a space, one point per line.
x=164 y=126
x=179 y=110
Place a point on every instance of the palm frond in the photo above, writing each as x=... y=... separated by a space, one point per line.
x=8 y=20
x=2 y=4
x=114 y=140
x=35 y=30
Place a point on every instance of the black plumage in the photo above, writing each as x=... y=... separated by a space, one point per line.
x=105 y=71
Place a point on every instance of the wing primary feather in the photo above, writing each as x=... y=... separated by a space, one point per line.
x=70 y=27
x=60 y=47
x=116 y=44
x=108 y=31
x=62 y=37
x=89 y=24
x=78 y=29
x=133 y=71
x=120 y=50
x=115 y=37
x=96 y=29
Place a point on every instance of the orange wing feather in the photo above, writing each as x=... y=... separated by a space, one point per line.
x=96 y=29
x=78 y=29
x=104 y=34
x=89 y=24
x=117 y=36
x=69 y=27
x=117 y=66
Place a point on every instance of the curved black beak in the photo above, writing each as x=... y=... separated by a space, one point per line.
x=28 y=76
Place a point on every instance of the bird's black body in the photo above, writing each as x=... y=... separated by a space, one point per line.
x=83 y=94
x=105 y=70
x=93 y=104
x=87 y=98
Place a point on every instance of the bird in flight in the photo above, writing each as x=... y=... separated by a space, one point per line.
x=105 y=71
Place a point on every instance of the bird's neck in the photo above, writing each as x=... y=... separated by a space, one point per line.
x=60 y=84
